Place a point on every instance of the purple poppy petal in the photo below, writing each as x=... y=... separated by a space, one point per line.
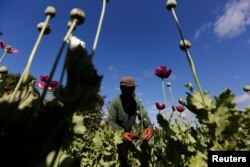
x=44 y=78
x=53 y=84
x=2 y=44
x=180 y=108
x=13 y=50
x=162 y=72
x=160 y=106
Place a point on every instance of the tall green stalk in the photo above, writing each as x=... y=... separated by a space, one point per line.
x=171 y=5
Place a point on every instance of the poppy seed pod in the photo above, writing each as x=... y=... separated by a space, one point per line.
x=77 y=14
x=182 y=101
x=168 y=84
x=51 y=11
x=171 y=4
x=47 y=28
x=186 y=46
x=3 y=70
x=246 y=88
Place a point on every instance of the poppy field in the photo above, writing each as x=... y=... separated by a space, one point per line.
x=44 y=123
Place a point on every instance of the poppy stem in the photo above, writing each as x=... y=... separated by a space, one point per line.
x=57 y=60
x=189 y=121
x=191 y=63
x=173 y=105
x=165 y=99
x=25 y=74
x=28 y=66
x=104 y=2
x=2 y=57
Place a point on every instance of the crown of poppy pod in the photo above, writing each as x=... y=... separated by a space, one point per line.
x=77 y=14
x=47 y=28
x=171 y=4
x=127 y=81
x=51 y=11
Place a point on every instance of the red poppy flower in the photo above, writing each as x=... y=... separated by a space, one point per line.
x=180 y=108
x=53 y=85
x=160 y=106
x=44 y=78
x=163 y=72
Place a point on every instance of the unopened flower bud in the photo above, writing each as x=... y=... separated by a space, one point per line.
x=189 y=86
x=77 y=14
x=171 y=4
x=47 y=28
x=185 y=46
x=51 y=11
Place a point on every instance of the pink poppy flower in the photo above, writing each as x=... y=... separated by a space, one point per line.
x=162 y=72
x=180 y=108
x=8 y=48
x=44 y=80
x=160 y=106
x=41 y=84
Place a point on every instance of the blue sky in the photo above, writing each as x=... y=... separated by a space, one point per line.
x=136 y=37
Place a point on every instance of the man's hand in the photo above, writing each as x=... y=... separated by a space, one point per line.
x=148 y=133
x=129 y=136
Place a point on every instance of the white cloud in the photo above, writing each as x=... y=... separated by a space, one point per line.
x=243 y=98
x=202 y=29
x=234 y=20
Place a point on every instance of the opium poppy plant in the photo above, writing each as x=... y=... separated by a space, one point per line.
x=162 y=72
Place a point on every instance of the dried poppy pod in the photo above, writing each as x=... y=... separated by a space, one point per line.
x=171 y=4
x=246 y=88
x=186 y=46
x=47 y=28
x=78 y=15
x=51 y=11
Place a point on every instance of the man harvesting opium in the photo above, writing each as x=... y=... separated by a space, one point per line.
x=123 y=111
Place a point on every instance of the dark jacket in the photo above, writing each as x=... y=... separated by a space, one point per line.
x=120 y=119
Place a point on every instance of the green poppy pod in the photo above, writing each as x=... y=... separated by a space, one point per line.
x=51 y=11
x=182 y=101
x=47 y=28
x=3 y=70
x=186 y=46
x=246 y=88
x=171 y=4
x=77 y=14
x=168 y=84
